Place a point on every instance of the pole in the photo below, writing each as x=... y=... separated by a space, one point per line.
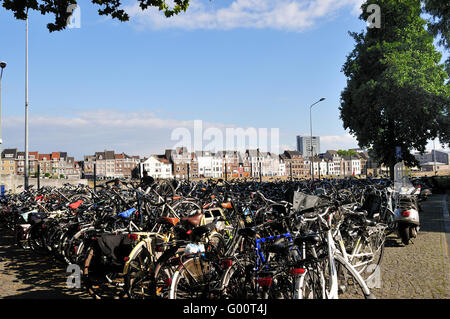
x=188 y=172
x=434 y=157
x=39 y=176
x=310 y=127
x=319 y=169
x=312 y=156
x=139 y=171
x=1 y=141
x=95 y=177
x=290 y=168
x=260 y=172
x=226 y=172
x=26 y=106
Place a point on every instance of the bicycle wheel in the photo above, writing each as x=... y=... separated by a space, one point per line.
x=310 y=284
x=283 y=286
x=36 y=239
x=186 y=208
x=139 y=276
x=196 y=278
x=165 y=267
x=238 y=282
x=351 y=284
x=101 y=281
x=366 y=254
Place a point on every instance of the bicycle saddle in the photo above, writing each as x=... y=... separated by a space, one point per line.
x=168 y=221
x=193 y=220
x=308 y=239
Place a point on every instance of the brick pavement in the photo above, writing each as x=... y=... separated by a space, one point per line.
x=421 y=269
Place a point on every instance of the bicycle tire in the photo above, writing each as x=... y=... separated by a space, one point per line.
x=351 y=284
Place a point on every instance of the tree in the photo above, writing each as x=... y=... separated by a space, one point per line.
x=439 y=26
x=396 y=93
x=346 y=152
x=60 y=9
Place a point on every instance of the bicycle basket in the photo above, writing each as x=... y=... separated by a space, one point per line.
x=304 y=202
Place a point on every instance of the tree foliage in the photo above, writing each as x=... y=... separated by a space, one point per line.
x=59 y=8
x=439 y=25
x=346 y=152
x=396 y=93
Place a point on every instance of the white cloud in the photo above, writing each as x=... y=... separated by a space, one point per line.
x=135 y=132
x=336 y=142
x=291 y=15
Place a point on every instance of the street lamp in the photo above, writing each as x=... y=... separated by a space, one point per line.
x=26 y=105
x=310 y=125
x=2 y=66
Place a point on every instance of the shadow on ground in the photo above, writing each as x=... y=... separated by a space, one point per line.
x=36 y=276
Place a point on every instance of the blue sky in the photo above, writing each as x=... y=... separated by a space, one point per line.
x=127 y=86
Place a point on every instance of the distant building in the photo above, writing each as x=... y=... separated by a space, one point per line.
x=433 y=156
x=304 y=144
x=8 y=161
x=158 y=166
x=294 y=163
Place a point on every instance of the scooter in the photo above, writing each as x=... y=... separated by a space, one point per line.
x=406 y=210
x=407 y=217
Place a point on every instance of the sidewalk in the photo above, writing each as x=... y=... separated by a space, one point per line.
x=24 y=275
x=421 y=269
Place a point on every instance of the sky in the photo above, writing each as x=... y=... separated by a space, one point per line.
x=138 y=86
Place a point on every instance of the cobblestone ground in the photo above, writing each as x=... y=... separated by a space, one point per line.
x=419 y=270
x=422 y=268
x=25 y=275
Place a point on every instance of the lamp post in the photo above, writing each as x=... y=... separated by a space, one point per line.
x=26 y=168
x=434 y=157
x=310 y=126
x=2 y=66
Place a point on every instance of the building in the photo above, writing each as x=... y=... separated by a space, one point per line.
x=109 y=165
x=352 y=165
x=8 y=164
x=180 y=159
x=125 y=164
x=294 y=164
x=433 y=156
x=158 y=166
x=304 y=144
x=434 y=167
x=335 y=162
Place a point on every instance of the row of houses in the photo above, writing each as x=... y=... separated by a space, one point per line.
x=50 y=164
x=180 y=163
